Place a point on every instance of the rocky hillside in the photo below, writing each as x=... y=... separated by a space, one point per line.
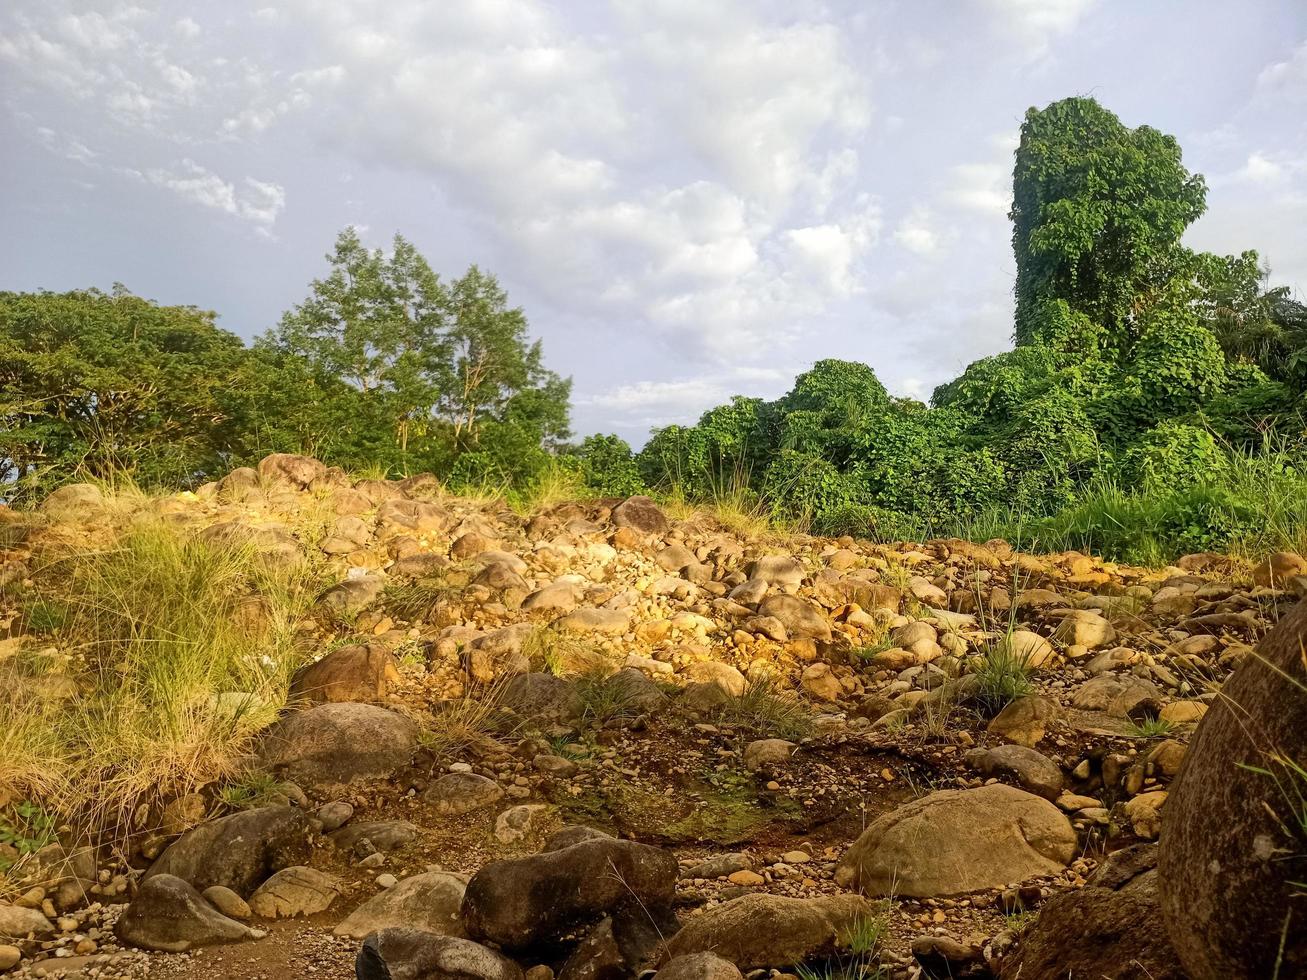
x=595 y=742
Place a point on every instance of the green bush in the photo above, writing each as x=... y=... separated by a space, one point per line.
x=1171 y=456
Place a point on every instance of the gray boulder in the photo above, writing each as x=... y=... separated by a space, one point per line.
x=239 y=851
x=761 y=930
x=430 y=902
x=326 y=748
x=411 y=954
x=523 y=901
x=170 y=916
x=956 y=841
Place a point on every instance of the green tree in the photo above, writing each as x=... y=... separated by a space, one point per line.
x=102 y=383
x=1097 y=211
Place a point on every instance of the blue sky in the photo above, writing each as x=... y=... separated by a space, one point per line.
x=689 y=199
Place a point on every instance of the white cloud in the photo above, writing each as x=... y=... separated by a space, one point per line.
x=1034 y=24
x=1285 y=79
x=256 y=201
x=916 y=233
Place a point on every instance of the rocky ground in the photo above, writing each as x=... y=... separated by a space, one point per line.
x=596 y=742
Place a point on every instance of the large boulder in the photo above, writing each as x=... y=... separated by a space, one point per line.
x=360 y=672
x=780 y=571
x=763 y=930
x=411 y=954
x=798 y=616
x=298 y=471
x=326 y=748
x=239 y=851
x=1110 y=928
x=522 y=901
x=293 y=892
x=956 y=841
x=74 y=502
x=1232 y=841
x=699 y=966
x=169 y=916
x=641 y=514
x=431 y=902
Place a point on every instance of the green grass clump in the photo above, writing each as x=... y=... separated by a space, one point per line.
x=179 y=652
x=1002 y=677
x=251 y=790
x=1150 y=728
x=764 y=709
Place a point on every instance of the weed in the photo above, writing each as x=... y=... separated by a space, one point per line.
x=1149 y=728
x=414 y=601
x=859 y=958
x=25 y=828
x=765 y=709
x=603 y=699
x=170 y=673
x=561 y=654
x=1001 y=677
x=1020 y=921
x=460 y=722
x=251 y=790
x=45 y=616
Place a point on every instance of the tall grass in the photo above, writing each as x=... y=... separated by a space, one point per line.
x=1254 y=503
x=179 y=651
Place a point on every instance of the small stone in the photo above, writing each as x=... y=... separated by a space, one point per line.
x=387 y=881
x=746 y=878
x=9 y=957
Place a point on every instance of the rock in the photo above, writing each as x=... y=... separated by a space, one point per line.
x=522 y=901
x=1279 y=569
x=293 y=892
x=238 y=851
x=328 y=747
x=1110 y=928
x=799 y=617
x=9 y=956
x=956 y=841
x=1183 y=712
x=761 y=930
x=169 y=916
x=1084 y=628
x=74 y=502
x=612 y=950
x=1024 y=720
x=718 y=866
x=541 y=696
x=410 y=954
x=457 y=793
x=227 y=902
x=723 y=675
x=385 y=835
x=607 y=621
x=1145 y=814
x=675 y=557
x=766 y=753
x=820 y=682
x=1029 y=647
x=334 y=815
x=780 y=571
x=942 y=958
x=519 y=822
x=431 y=902
x=1035 y=772
x=353 y=595
x=568 y=836
x=641 y=514
x=362 y=672
x=1113 y=694
x=298 y=471
x=699 y=966
x=17 y=922
x=1226 y=862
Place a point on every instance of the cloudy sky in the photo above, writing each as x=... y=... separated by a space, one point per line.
x=691 y=199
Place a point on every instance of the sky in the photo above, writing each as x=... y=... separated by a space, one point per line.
x=690 y=198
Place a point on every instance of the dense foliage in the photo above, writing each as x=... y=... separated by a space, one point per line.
x=383 y=365
x=1139 y=368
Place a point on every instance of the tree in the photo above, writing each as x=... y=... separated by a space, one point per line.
x=378 y=323
x=444 y=369
x=102 y=383
x=1097 y=210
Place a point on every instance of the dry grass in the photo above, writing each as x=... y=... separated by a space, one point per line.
x=174 y=654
